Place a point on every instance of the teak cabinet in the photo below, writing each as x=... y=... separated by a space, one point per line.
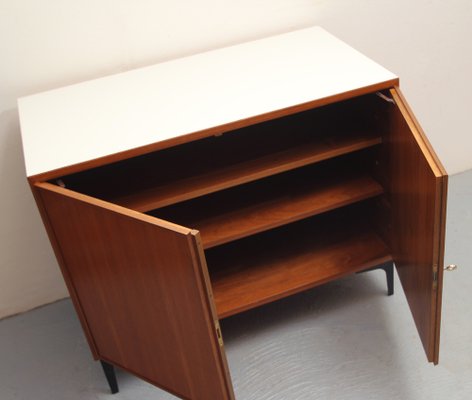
x=183 y=193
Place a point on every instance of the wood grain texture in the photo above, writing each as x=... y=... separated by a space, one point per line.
x=417 y=192
x=276 y=264
x=142 y=291
x=259 y=207
x=245 y=171
x=65 y=273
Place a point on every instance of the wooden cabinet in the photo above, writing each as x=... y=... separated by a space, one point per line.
x=183 y=193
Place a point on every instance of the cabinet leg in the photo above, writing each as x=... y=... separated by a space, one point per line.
x=109 y=371
x=389 y=273
x=388 y=268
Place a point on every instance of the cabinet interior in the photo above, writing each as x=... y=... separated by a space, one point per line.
x=281 y=205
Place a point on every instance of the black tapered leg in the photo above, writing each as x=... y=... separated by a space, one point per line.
x=388 y=268
x=109 y=371
x=389 y=272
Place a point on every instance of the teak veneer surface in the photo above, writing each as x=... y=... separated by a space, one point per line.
x=246 y=171
x=254 y=208
x=276 y=264
x=417 y=188
x=140 y=284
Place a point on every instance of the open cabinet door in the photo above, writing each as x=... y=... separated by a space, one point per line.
x=141 y=286
x=418 y=199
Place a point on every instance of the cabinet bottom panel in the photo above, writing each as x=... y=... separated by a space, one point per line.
x=269 y=266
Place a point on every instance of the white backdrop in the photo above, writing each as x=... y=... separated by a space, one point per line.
x=44 y=45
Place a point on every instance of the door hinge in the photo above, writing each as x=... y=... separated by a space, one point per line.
x=435 y=276
x=386 y=98
x=218 y=333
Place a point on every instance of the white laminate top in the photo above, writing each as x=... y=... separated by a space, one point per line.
x=121 y=112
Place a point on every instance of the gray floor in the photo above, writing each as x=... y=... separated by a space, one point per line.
x=344 y=340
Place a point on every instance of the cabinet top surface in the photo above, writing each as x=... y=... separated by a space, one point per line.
x=118 y=113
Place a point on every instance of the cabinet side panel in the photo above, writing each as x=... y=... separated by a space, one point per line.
x=141 y=292
x=417 y=194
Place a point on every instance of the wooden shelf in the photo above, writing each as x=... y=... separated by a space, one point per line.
x=276 y=264
x=212 y=180
x=254 y=208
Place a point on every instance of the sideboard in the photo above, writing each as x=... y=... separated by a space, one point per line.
x=189 y=191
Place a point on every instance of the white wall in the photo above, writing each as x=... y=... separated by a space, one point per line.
x=44 y=45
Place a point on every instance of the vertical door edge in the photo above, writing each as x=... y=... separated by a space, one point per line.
x=418 y=132
x=440 y=262
x=208 y=302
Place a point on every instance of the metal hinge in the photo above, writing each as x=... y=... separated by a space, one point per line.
x=435 y=276
x=218 y=333
x=386 y=98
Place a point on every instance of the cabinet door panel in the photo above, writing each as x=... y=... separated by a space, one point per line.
x=143 y=288
x=418 y=185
